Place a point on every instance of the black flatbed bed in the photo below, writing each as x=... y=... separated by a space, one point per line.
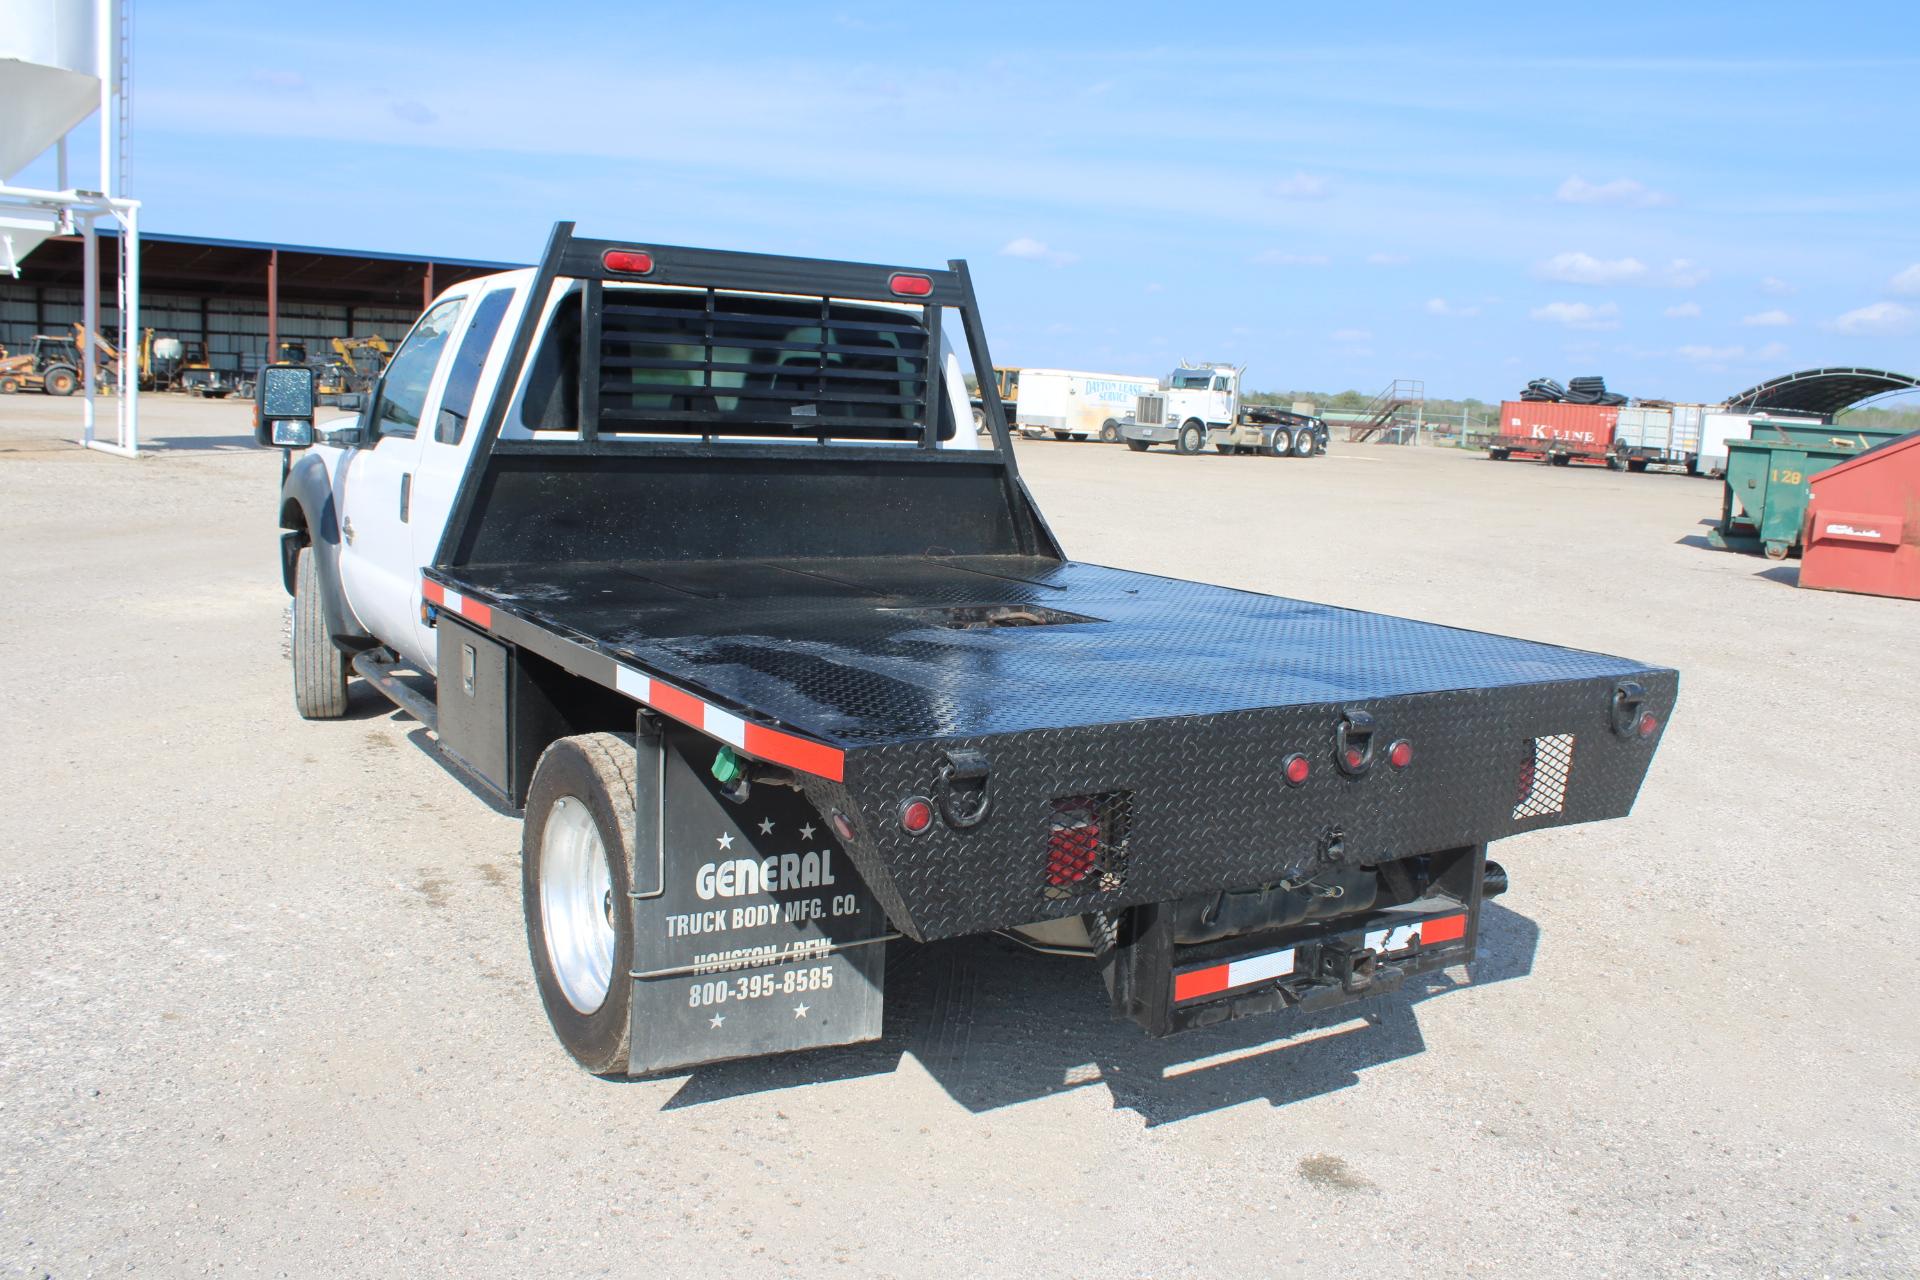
x=860 y=652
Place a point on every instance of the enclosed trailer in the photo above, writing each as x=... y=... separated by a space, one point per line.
x=1072 y=404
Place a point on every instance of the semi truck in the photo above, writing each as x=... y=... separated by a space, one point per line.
x=692 y=558
x=1071 y=405
x=1198 y=404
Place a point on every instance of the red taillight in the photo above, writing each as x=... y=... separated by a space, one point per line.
x=1400 y=754
x=842 y=825
x=1355 y=758
x=1295 y=769
x=1073 y=846
x=916 y=816
x=910 y=286
x=1648 y=723
x=628 y=262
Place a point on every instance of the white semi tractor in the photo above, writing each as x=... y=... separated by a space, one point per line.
x=1198 y=404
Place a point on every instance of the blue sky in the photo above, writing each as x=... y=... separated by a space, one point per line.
x=1682 y=199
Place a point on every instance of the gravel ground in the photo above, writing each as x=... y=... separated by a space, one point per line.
x=265 y=1005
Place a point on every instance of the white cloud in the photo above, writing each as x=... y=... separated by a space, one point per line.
x=1683 y=273
x=1621 y=191
x=1907 y=281
x=1028 y=249
x=1351 y=335
x=1715 y=355
x=1441 y=307
x=1388 y=259
x=1584 y=268
x=1281 y=258
x=1777 y=287
x=1683 y=311
x=1878 y=317
x=1579 y=315
x=1767 y=319
x=1702 y=354
x=1301 y=186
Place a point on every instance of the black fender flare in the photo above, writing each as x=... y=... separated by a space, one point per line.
x=308 y=516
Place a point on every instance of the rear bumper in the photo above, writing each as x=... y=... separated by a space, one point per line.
x=1198 y=804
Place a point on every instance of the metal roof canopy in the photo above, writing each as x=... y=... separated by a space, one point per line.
x=1821 y=390
x=238 y=268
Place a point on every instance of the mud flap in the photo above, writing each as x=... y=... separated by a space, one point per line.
x=753 y=932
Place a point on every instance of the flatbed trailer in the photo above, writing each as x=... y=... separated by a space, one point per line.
x=847 y=692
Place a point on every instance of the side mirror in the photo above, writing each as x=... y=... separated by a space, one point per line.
x=283 y=407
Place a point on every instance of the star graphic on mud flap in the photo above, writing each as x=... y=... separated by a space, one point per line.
x=725 y=839
x=799 y=1011
x=766 y=826
x=806 y=832
x=716 y=1020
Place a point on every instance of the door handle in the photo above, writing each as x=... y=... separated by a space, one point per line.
x=346 y=528
x=406 y=494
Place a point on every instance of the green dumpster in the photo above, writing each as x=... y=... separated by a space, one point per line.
x=1859 y=439
x=1766 y=488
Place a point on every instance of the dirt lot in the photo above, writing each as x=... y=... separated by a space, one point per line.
x=265 y=1005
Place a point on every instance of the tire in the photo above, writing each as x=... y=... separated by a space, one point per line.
x=1063 y=435
x=9 y=386
x=1138 y=446
x=1636 y=465
x=980 y=421
x=1560 y=459
x=1282 y=443
x=1109 y=432
x=1776 y=550
x=319 y=667
x=576 y=850
x=1193 y=438
x=61 y=381
x=1303 y=444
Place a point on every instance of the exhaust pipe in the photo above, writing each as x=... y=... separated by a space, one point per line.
x=1493 y=880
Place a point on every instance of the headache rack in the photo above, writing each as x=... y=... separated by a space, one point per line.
x=682 y=344
x=703 y=353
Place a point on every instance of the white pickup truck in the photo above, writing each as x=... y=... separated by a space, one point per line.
x=683 y=553
x=1200 y=403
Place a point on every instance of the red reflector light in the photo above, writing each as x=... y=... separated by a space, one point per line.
x=842 y=825
x=910 y=286
x=1648 y=723
x=1354 y=758
x=1295 y=769
x=916 y=816
x=628 y=262
x=1400 y=754
x=1073 y=846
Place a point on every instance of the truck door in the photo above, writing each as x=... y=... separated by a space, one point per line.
x=377 y=564
x=1220 y=400
x=445 y=448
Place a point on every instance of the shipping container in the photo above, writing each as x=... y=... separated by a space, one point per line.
x=1554 y=432
x=1665 y=436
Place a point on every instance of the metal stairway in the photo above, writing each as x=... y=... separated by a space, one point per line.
x=1400 y=404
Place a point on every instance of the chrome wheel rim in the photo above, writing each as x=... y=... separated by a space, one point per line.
x=576 y=904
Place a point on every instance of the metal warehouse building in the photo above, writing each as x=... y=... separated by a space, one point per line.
x=239 y=298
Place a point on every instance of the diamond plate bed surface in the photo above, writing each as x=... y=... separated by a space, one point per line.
x=845 y=649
